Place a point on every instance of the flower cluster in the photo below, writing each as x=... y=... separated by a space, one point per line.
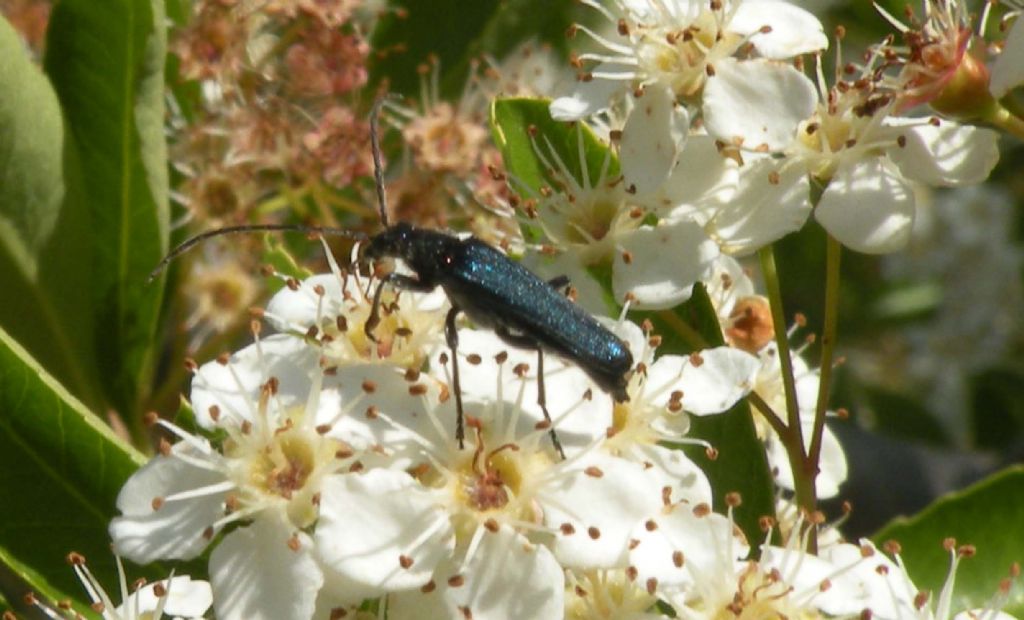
x=325 y=472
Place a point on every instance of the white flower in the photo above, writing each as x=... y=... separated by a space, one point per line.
x=331 y=310
x=178 y=596
x=832 y=468
x=680 y=50
x=697 y=560
x=268 y=473
x=483 y=531
x=599 y=224
x=869 y=158
x=889 y=594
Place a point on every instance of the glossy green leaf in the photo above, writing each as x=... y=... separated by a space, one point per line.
x=106 y=61
x=61 y=469
x=987 y=515
x=519 y=124
x=45 y=264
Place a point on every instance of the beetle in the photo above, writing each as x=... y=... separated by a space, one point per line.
x=479 y=280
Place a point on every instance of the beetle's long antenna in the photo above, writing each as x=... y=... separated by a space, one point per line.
x=378 y=167
x=191 y=242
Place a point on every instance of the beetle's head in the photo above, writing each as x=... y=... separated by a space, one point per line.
x=393 y=242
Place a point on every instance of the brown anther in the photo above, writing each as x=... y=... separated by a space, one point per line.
x=356 y=467
x=701 y=510
x=190 y=365
x=473 y=359
x=491 y=525
x=246 y=427
x=654 y=341
x=292 y=284
x=312 y=332
x=164 y=447
x=341 y=323
x=627 y=257
x=893 y=547
x=825 y=585
x=323 y=429
x=157 y=503
x=949 y=543
x=294 y=543
x=150 y=418
x=593 y=532
x=710 y=70
x=208 y=533
x=677 y=559
x=456 y=581
x=652 y=585
x=711 y=452
x=921 y=599
x=588 y=394
x=696 y=360
x=666 y=495
x=372 y=412
x=344 y=453
x=443 y=358
x=632 y=573
x=411 y=375
x=369 y=386
x=967 y=551
x=417 y=389
x=521 y=369
x=223 y=358
x=766 y=523
x=774 y=178
x=622 y=27
x=567 y=529
x=75 y=558
x=405 y=561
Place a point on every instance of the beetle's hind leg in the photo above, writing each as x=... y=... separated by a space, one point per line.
x=526 y=342
x=451 y=336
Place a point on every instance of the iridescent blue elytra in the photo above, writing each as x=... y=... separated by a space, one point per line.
x=499 y=293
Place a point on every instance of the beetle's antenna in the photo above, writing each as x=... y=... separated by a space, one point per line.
x=378 y=168
x=191 y=242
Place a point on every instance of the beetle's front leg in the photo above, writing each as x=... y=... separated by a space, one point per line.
x=451 y=335
x=396 y=280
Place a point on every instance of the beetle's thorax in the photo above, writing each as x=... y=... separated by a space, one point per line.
x=426 y=252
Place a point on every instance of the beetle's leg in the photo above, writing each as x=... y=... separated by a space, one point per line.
x=396 y=280
x=559 y=282
x=451 y=335
x=525 y=342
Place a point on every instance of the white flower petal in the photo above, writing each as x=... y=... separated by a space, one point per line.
x=1008 y=68
x=601 y=508
x=679 y=548
x=832 y=468
x=701 y=182
x=794 y=31
x=948 y=155
x=665 y=262
x=757 y=104
x=295 y=309
x=373 y=523
x=507 y=577
x=652 y=137
x=724 y=376
x=175 y=530
x=182 y=597
x=868 y=207
x=234 y=388
x=771 y=201
x=673 y=470
x=258 y=575
x=806 y=573
x=591 y=96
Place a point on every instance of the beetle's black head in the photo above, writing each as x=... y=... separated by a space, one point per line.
x=393 y=242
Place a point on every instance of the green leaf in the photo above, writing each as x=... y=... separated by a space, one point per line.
x=512 y=123
x=741 y=465
x=61 y=469
x=106 y=61
x=987 y=515
x=45 y=264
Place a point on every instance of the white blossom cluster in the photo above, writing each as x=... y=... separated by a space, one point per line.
x=726 y=145
x=324 y=478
